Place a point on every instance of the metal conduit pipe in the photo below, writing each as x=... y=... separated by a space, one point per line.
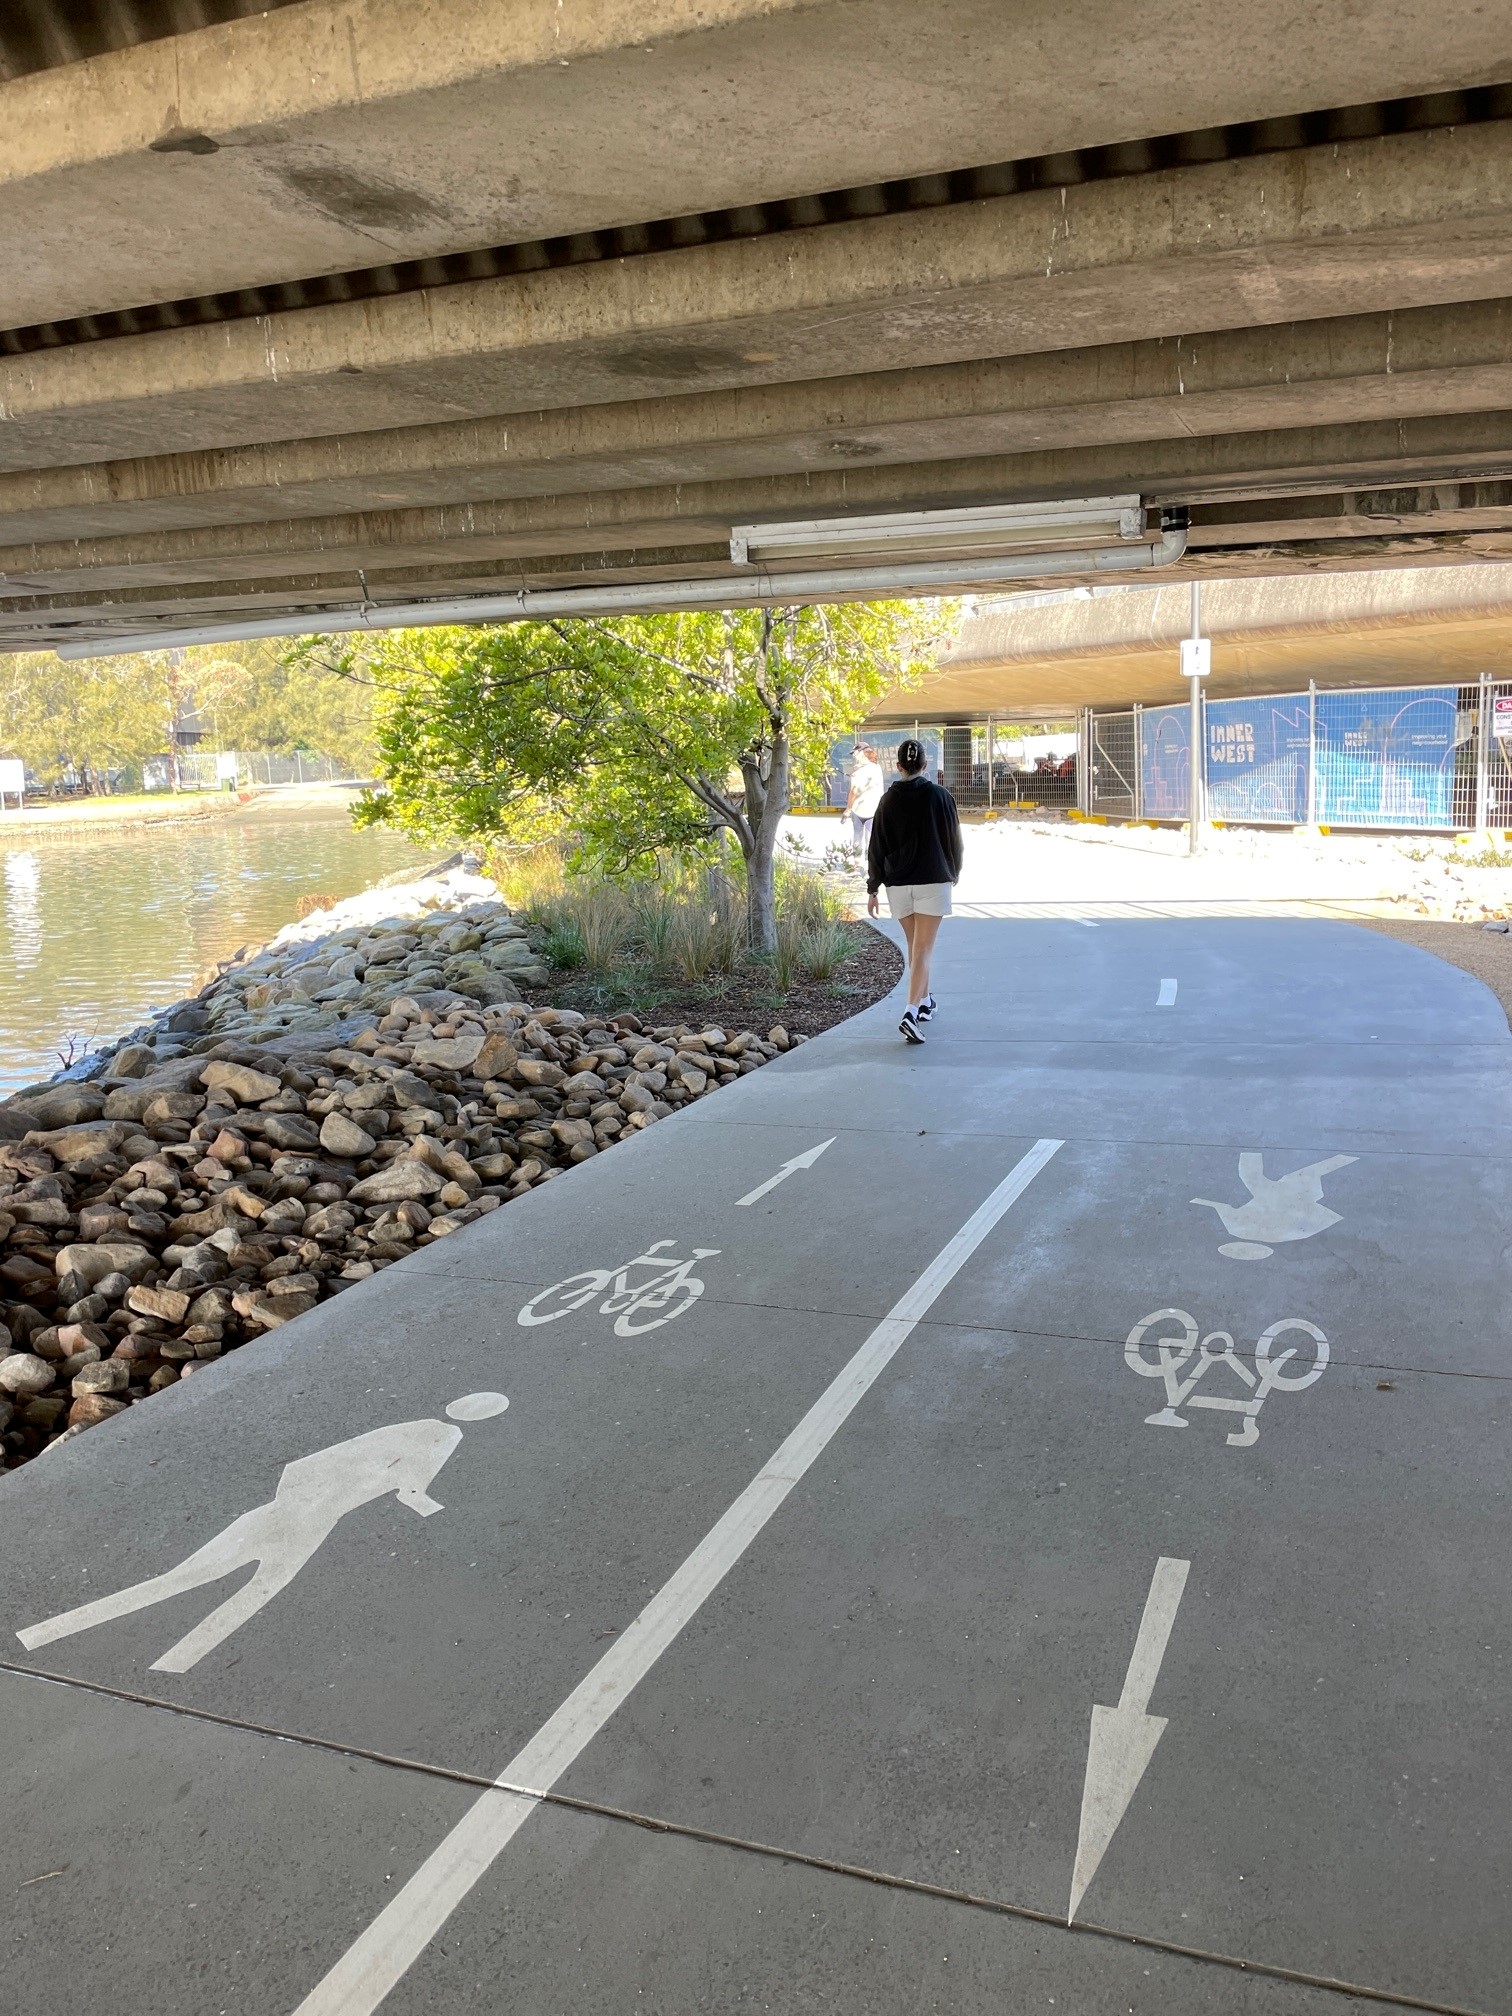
x=747 y=590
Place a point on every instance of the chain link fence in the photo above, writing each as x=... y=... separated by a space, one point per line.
x=1430 y=758
x=201 y=770
x=986 y=765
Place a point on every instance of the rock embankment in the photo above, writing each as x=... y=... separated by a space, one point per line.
x=315 y=1114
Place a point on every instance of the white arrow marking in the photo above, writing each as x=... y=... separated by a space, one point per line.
x=1167 y=994
x=1124 y=1738
x=804 y=1161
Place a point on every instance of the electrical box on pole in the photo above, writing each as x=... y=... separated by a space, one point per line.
x=1196 y=657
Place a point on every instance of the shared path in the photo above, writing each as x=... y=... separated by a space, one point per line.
x=1015 y=1524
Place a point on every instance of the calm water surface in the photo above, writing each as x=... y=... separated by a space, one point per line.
x=98 y=929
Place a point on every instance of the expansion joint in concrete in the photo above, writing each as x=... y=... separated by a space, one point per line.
x=766 y=1851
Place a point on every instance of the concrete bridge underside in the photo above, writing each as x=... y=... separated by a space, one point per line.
x=367 y=302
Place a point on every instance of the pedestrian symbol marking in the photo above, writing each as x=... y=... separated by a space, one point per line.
x=411 y=1917
x=1281 y=1208
x=314 y=1494
x=1297 y=1367
x=638 y=1303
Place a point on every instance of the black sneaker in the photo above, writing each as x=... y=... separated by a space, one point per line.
x=926 y=1008
x=909 y=1027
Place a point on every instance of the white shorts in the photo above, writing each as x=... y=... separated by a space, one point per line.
x=918 y=899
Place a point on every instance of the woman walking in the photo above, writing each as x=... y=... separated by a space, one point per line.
x=915 y=853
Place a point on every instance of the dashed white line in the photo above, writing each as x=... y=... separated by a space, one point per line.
x=1167 y=997
x=397 y=1937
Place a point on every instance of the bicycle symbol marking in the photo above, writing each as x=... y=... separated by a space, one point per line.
x=670 y=1290
x=1268 y=1375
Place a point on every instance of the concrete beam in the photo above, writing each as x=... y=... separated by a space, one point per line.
x=1378 y=225
x=1283 y=462
x=40 y=623
x=1269 y=636
x=660 y=534
x=1354 y=514
x=36 y=622
x=319 y=139
x=1442 y=360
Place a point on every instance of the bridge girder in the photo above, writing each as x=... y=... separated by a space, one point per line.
x=1269 y=321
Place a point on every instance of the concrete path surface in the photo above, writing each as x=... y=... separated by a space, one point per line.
x=1076 y=1491
x=1024 y=866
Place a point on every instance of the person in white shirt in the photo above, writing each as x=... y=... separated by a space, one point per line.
x=865 y=794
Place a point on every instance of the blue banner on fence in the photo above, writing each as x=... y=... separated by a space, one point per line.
x=1387 y=758
x=1257 y=759
x=1165 y=762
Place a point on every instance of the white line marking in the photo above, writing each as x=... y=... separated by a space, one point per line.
x=1167 y=994
x=804 y=1161
x=1123 y=1738
x=400 y=1933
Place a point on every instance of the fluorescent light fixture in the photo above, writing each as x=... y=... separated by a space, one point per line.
x=976 y=533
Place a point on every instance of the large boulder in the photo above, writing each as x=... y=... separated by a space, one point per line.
x=341 y=1136
x=290 y=1130
x=451 y=1053
x=410 y=1089
x=508 y=953
x=94 y=1262
x=132 y=1060
x=497 y=1056
x=24 y=1375
x=89 y=1139
x=481 y=983
x=250 y=1087
x=58 y=1106
x=397 y=1182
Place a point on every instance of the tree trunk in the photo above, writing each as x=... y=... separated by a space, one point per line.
x=761 y=862
x=761 y=896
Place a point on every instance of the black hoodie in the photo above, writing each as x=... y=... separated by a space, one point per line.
x=915 y=836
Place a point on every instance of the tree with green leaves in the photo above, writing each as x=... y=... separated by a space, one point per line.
x=633 y=734
x=102 y=715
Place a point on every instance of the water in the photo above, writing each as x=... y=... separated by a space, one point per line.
x=98 y=929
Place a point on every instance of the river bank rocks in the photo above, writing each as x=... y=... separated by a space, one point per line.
x=320 y=1110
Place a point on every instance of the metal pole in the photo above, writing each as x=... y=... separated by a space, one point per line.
x=1084 y=762
x=1483 y=755
x=1196 y=663
x=1138 y=760
x=989 y=762
x=1312 y=752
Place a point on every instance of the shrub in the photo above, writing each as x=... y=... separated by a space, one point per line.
x=823 y=949
x=563 y=944
x=603 y=916
x=685 y=919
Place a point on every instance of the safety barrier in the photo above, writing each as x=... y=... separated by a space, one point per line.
x=1428 y=757
x=197 y=770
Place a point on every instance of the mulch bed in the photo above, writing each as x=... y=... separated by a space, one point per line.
x=745 y=1000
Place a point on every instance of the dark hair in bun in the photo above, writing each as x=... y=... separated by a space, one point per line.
x=911 y=757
